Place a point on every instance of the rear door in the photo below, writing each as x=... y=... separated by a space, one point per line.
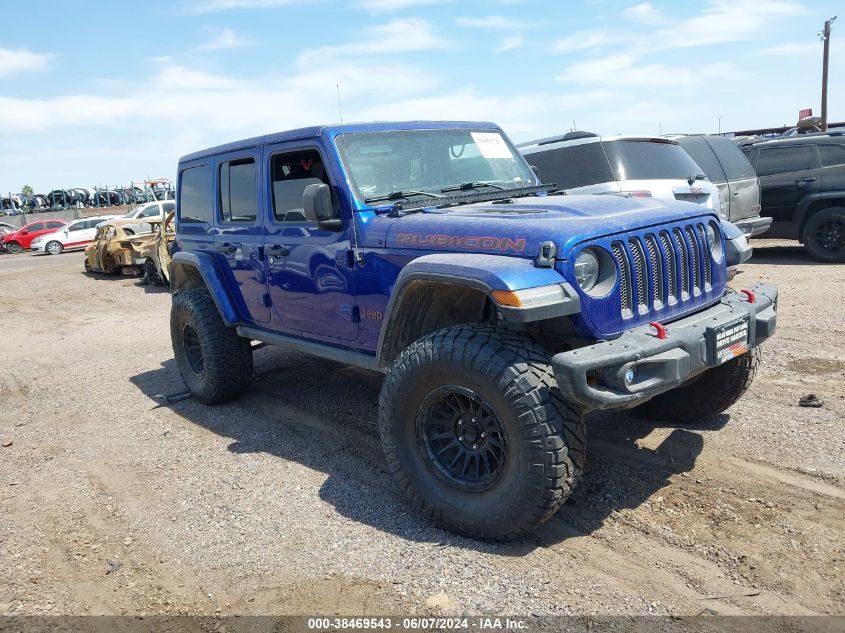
x=744 y=187
x=239 y=239
x=787 y=174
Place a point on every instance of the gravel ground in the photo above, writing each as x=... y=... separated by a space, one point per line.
x=279 y=503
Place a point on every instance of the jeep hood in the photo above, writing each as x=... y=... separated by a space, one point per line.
x=519 y=227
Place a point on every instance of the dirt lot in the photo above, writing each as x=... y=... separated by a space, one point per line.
x=279 y=503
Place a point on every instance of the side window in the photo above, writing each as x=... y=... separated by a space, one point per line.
x=38 y=226
x=290 y=174
x=832 y=155
x=169 y=206
x=77 y=227
x=703 y=155
x=784 y=160
x=195 y=199
x=54 y=225
x=238 y=193
x=573 y=166
x=153 y=211
x=733 y=160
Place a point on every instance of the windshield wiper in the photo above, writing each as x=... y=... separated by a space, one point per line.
x=399 y=195
x=468 y=186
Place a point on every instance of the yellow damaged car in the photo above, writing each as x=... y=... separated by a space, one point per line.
x=115 y=251
x=156 y=252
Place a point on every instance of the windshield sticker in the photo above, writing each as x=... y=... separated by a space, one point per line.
x=491 y=145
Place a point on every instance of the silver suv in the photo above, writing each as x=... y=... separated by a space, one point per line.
x=638 y=166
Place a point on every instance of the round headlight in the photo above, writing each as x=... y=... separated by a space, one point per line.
x=587 y=270
x=714 y=241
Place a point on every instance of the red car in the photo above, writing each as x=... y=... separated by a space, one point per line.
x=20 y=239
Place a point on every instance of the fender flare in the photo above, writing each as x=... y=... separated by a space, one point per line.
x=184 y=263
x=800 y=216
x=484 y=273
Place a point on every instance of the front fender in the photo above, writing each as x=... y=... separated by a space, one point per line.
x=486 y=274
x=192 y=270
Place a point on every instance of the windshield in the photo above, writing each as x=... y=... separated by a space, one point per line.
x=649 y=160
x=381 y=163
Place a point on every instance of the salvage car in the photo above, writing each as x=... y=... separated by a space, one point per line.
x=76 y=234
x=115 y=251
x=22 y=238
x=500 y=311
x=156 y=253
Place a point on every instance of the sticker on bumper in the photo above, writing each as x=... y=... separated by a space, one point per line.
x=729 y=341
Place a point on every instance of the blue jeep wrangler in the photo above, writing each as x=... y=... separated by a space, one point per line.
x=499 y=312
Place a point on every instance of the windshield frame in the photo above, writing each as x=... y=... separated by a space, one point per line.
x=437 y=197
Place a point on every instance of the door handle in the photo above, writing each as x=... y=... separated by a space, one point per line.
x=736 y=194
x=227 y=248
x=802 y=181
x=277 y=251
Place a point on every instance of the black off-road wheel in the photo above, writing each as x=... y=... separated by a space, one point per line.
x=215 y=363
x=706 y=396
x=824 y=235
x=476 y=434
x=13 y=247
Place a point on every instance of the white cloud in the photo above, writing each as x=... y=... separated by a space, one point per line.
x=212 y=6
x=19 y=60
x=723 y=21
x=509 y=43
x=644 y=13
x=394 y=5
x=493 y=22
x=621 y=70
x=398 y=36
x=793 y=49
x=225 y=40
x=582 y=40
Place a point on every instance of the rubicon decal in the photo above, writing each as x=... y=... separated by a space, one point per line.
x=466 y=242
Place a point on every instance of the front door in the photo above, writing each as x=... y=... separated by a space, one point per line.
x=787 y=174
x=309 y=267
x=239 y=239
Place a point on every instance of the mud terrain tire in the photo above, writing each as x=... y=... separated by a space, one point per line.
x=505 y=381
x=824 y=235
x=706 y=396
x=215 y=363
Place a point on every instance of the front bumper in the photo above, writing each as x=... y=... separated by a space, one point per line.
x=594 y=376
x=36 y=248
x=754 y=226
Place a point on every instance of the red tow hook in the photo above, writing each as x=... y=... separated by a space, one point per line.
x=661 y=331
x=752 y=298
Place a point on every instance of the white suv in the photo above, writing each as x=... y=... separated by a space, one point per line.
x=76 y=234
x=132 y=222
x=640 y=166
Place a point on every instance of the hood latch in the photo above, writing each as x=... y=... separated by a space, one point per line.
x=546 y=258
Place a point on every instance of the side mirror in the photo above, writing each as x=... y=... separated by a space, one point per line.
x=25 y=232
x=317 y=203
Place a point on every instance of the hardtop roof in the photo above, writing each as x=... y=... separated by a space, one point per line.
x=316 y=131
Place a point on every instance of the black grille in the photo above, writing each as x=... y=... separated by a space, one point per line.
x=671 y=274
x=640 y=277
x=663 y=268
x=624 y=275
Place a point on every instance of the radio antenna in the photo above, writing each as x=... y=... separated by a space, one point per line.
x=339 y=105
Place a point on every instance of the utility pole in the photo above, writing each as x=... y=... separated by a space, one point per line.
x=825 y=35
x=719 y=123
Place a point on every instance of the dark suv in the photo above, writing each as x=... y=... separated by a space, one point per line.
x=803 y=190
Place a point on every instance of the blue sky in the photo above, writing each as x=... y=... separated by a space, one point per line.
x=102 y=93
